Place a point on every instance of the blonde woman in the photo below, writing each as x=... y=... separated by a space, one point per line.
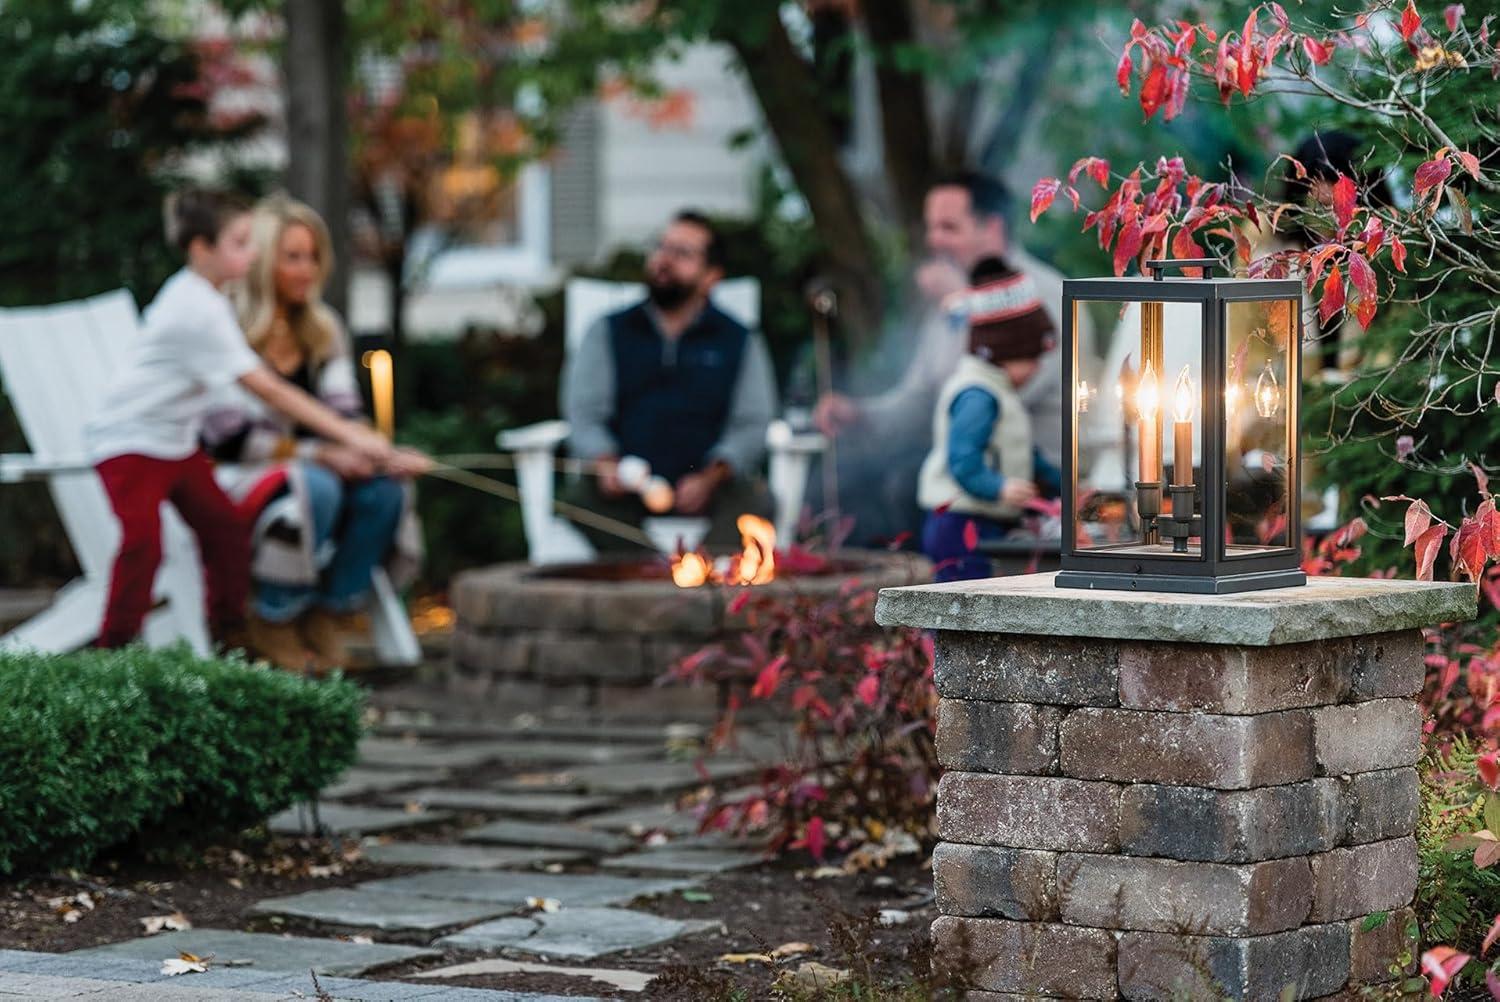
x=326 y=515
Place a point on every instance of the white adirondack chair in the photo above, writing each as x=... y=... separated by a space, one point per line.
x=552 y=539
x=55 y=361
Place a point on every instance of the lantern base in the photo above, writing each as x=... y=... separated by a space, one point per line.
x=1193 y=584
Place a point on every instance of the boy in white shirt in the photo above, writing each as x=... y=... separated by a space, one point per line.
x=144 y=438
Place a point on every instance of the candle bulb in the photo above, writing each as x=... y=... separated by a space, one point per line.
x=382 y=390
x=1147 y=400
x=1182 y=431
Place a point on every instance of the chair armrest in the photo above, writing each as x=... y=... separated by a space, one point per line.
x=544 y=436
x=16 y=468
x=781 y=438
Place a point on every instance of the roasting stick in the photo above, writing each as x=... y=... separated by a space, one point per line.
x=583 y=516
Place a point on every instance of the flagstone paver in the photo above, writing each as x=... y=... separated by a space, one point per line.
x=579 y=933
x=520 y=752
x=640 y=820
x=492 y=801
x=359 y=782
x=265 y=951
x=552 y=805
x=378 y=909
x=622 y=980
x=445 y=856
x=348 y=819
x=675 y=860
x=573 y=890
x=634 y=778
x=548 y=835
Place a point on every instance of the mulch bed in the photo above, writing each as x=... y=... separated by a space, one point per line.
x=760 y=909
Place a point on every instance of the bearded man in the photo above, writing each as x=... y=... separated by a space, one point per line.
x=677 y=382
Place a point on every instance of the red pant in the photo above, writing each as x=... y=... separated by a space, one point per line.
x=137 y=485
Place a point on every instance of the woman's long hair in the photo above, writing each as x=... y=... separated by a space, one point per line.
x=313 y=324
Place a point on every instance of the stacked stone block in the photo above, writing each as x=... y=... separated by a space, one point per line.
x=530 y=637
x=1158 y=820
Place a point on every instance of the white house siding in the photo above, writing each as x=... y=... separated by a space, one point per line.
x=646 y=173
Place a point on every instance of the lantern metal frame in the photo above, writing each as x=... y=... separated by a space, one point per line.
x=1213 y=571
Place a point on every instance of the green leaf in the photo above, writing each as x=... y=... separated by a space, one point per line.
x=696 y=896
x=1373 y=921
x=1492 y=813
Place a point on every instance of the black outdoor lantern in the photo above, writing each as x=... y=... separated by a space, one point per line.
x=1187 y=477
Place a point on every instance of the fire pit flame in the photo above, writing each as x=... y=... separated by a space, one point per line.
x=755 y=565
x=689 y=570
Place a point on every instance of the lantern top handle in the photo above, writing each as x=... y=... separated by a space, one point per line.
x=1159 y=265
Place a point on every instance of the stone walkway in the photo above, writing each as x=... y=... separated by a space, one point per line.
x=529 y=840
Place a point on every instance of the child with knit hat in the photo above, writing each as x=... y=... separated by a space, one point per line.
x=983 y=468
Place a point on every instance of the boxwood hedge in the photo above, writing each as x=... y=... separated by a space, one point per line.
x=160 y=748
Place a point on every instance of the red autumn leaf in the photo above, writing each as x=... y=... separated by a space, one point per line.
x=1344 y=195
x=1128 y=246
x=1362 y=280
x=769 y=679
x=815 y=839
x=1122 y=71
x=1452 y=15
x=1418 y=519
x=868 y=689
x=1042 y=194
x=1482 y=480
x=1494 y=933
x=1398 y=254
x=1318 y=52
x=1489 y=773
x=1279 y=13
x=1427 y=550
x=971 y=535
x=1096 y=168
x=1154 y=91
x=1411 y=21
x=1440 y=964
x=1333 y=295
x=1184 y=246
x=1299 y=170
x=1072 y=194
x=1470 y=163
x=1432 y=173
x=1468 y=550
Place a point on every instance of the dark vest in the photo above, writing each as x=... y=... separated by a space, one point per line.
x=672 y=399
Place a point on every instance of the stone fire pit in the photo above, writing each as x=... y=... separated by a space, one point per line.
x=598 y=635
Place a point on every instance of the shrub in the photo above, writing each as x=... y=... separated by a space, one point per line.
x=101 y=748
x=860 y=768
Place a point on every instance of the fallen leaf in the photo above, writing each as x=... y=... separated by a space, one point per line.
x=544 y=904
x=184 y=963
x=893 y=916
x=72 y=915
x=792 y=949
x=696 y=896
x=814 y=975
x=236 y=883
x=175 y=922
x=744 y=958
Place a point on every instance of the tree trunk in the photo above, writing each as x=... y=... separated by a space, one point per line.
x=314 y=65
x=787 y=91
x=906 y=129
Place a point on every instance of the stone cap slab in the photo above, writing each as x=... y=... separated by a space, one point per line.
x=1321 y=609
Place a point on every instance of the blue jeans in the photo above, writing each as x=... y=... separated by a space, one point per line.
x=357 y=521
x=944 y=544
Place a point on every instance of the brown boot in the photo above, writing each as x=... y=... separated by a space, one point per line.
x=323 y=633
x=280 y=644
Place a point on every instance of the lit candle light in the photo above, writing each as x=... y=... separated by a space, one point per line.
x=1267 y=393
x=1182 y=430
x=1147 y=402
x=382 y=390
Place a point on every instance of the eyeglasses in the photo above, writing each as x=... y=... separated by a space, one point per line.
x=678 y=252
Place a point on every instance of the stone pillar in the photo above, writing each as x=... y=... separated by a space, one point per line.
x=1155 y=796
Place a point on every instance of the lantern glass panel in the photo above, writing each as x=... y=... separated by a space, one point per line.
x=1260 y=396
x=1144 y=424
